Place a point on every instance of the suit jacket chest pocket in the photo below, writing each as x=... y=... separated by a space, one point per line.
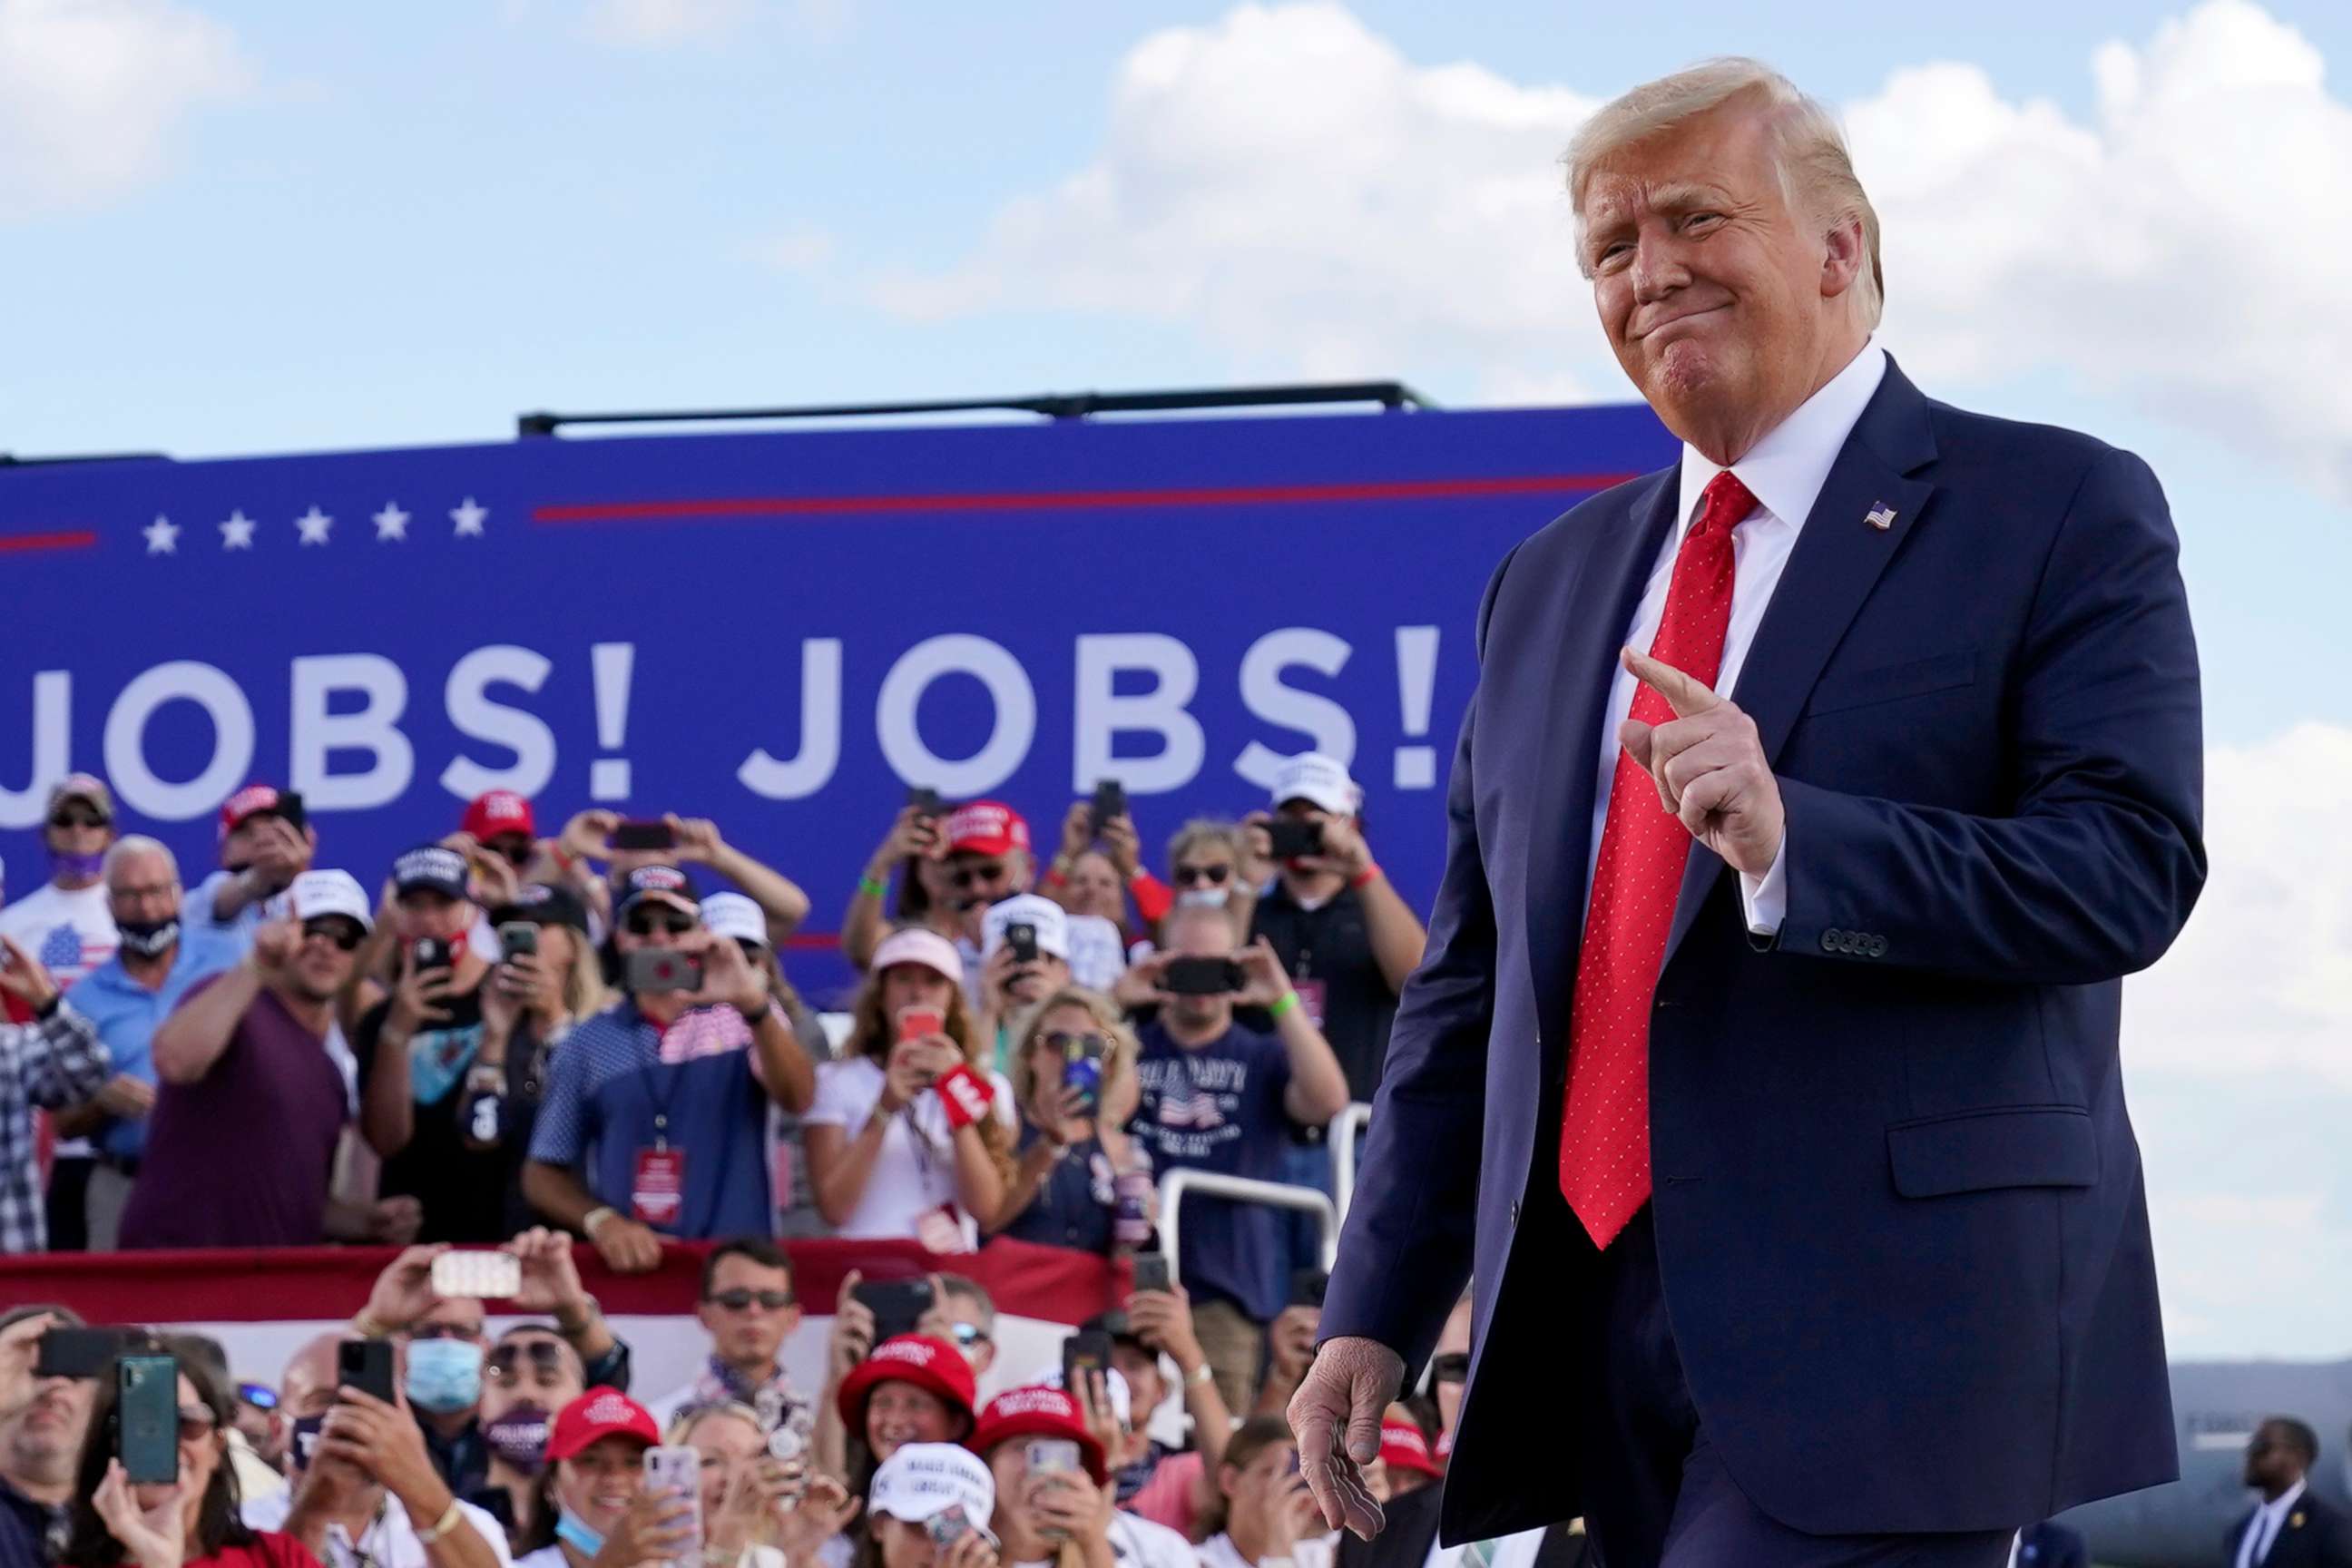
x=1901 y=680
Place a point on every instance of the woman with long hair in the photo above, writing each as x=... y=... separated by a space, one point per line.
x=915 y=850
x=529 y=1003
x=1263 y=1513
x=911 y=1137
x=593 y=1503
x=179 y=1524
x=929 y=1508
x=909 y=1389
x=759 y=1509
x=1075 y=1088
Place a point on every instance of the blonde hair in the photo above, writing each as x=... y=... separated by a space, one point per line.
x=1816 y=169
x=1226 y=835
x=1119 y=1059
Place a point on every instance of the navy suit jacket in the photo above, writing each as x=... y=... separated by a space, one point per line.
x=1898 y=1204
x=2313 y=1535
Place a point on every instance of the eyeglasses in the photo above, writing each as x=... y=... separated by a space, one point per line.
x=974 y=876
x=76 y=819
x=645 y=923
x=1451 y=1367
x=545 y=1356
x=1069 y=1047
x=444 y=1332
x=335 y=929
x=970 y=1334
x=1214 y=876
x=740 y=1300
x=197 y=1422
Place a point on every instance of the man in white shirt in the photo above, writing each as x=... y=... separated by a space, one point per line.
x=2290 y=1527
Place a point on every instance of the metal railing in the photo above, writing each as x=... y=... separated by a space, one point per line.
x=1179 y=1184
x=1345 y=1130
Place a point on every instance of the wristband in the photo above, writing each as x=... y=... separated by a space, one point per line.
x=1285 y=1002
x=759 y=1018
x=873 y=889
x=367 y=1328
x=49 y=1009
x=442 y=1526
x=1056 y=876
x=597 y=1217
x=1365 y=878
x=1202 y=1376
x=966 y=1095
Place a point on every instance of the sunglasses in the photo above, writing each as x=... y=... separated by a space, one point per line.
x=335 y=929
x=740 y=1300
x=197 y=1422
x=975 y=876
x=645 y=923
x=516 y=854
x=1070 y=1048
x=1453 y=1367
x=545 y=1357
x=258 y=1395
x=969 y=1333
x=76 y=819
x=1214 y=876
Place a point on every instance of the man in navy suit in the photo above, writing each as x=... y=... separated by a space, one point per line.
x=2290 y=1527
x=1763 y=1064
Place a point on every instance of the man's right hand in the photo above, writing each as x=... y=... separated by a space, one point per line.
x=20 y=1346
x=275 y=945
x=1337 y=1416
x=627 y=1247
x=403 y=1292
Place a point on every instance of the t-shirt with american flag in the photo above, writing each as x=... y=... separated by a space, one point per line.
x=70 y=932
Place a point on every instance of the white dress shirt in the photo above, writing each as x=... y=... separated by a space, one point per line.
x=389 y=1541
x=1785 y=472
x=2263 y=1530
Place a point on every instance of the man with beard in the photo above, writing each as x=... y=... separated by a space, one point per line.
x=241 y=1147
x=158 y=962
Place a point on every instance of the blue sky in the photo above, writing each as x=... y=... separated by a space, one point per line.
x=279 y=226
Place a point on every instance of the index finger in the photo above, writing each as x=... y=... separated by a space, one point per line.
x=1685 y=693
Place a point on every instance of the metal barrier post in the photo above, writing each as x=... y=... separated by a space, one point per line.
x=1344 y=1129
x=1178 y=1183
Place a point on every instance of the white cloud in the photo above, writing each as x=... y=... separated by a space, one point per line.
x=93 y=91
x=1288 y=185
x=2262 y=979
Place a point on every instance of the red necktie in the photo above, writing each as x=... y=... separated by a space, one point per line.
x=1604 y=1144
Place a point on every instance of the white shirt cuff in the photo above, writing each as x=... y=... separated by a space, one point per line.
x=1766 y=898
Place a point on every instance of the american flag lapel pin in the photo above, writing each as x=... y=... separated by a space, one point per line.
x=1880 y=517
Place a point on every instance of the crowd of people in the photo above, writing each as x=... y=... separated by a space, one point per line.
x=591 y=1031
x=530 y=1447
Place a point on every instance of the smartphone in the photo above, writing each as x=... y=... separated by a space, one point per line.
x=1022 y=938
x=1083 y=1073
x=1086 y=1351
x=518 y=939
x=914 y=1022
x=679 y=1471
x=925 y=800
x=482 y=1274
x=366 y=1365
x=289 y=806
x=1307 y=1287
x=641 y=836
x=1292 y=837
x=431 y=952
x=147 y=1419
x=1109 y=802
x=1152 y=1271
x=1203 y=977
x=898 y=1305
x=652 y=969
x=75 y=1353
x=948 y=1526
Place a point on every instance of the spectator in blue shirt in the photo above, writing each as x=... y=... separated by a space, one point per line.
x=656 y=1115
x=1218 y=1097
x=156 y=964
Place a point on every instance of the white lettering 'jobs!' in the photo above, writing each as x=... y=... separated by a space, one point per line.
x=1133 y=715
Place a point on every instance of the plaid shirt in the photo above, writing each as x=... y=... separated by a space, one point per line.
x=54 y=1063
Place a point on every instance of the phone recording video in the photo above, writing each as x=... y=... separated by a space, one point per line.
x=1290 y=837
x=1203 y=977
x=641 y=835
x=898 y=1305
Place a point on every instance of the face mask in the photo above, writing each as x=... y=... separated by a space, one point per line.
x=1209 y=898
x=519 y=1438
x=81 y=868
x=574 y=1531
x=444 y=1375
x=145 y=939
x=306 y=1437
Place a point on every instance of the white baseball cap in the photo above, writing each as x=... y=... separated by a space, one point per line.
x=735 y=915
x=924 y=1479
x=316 y=893
x=1324 y=780
x=1032 y=908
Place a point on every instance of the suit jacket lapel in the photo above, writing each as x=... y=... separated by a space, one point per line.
x=1837 y=558
x=1593 y=609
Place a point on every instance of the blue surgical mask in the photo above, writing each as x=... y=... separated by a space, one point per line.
x=444 y=1375
x=574 y=1531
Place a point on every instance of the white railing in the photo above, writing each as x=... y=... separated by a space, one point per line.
x=1345 y=1130
x=1178 y=1185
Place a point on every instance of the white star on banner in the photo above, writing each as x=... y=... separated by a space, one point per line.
x=236 y=533
x=468 y=516
x=314 y=524
x=391 y=523
x=162 y=536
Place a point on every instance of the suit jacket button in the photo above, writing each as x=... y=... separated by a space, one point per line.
x=1830 y=939
x=1514 y=1214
